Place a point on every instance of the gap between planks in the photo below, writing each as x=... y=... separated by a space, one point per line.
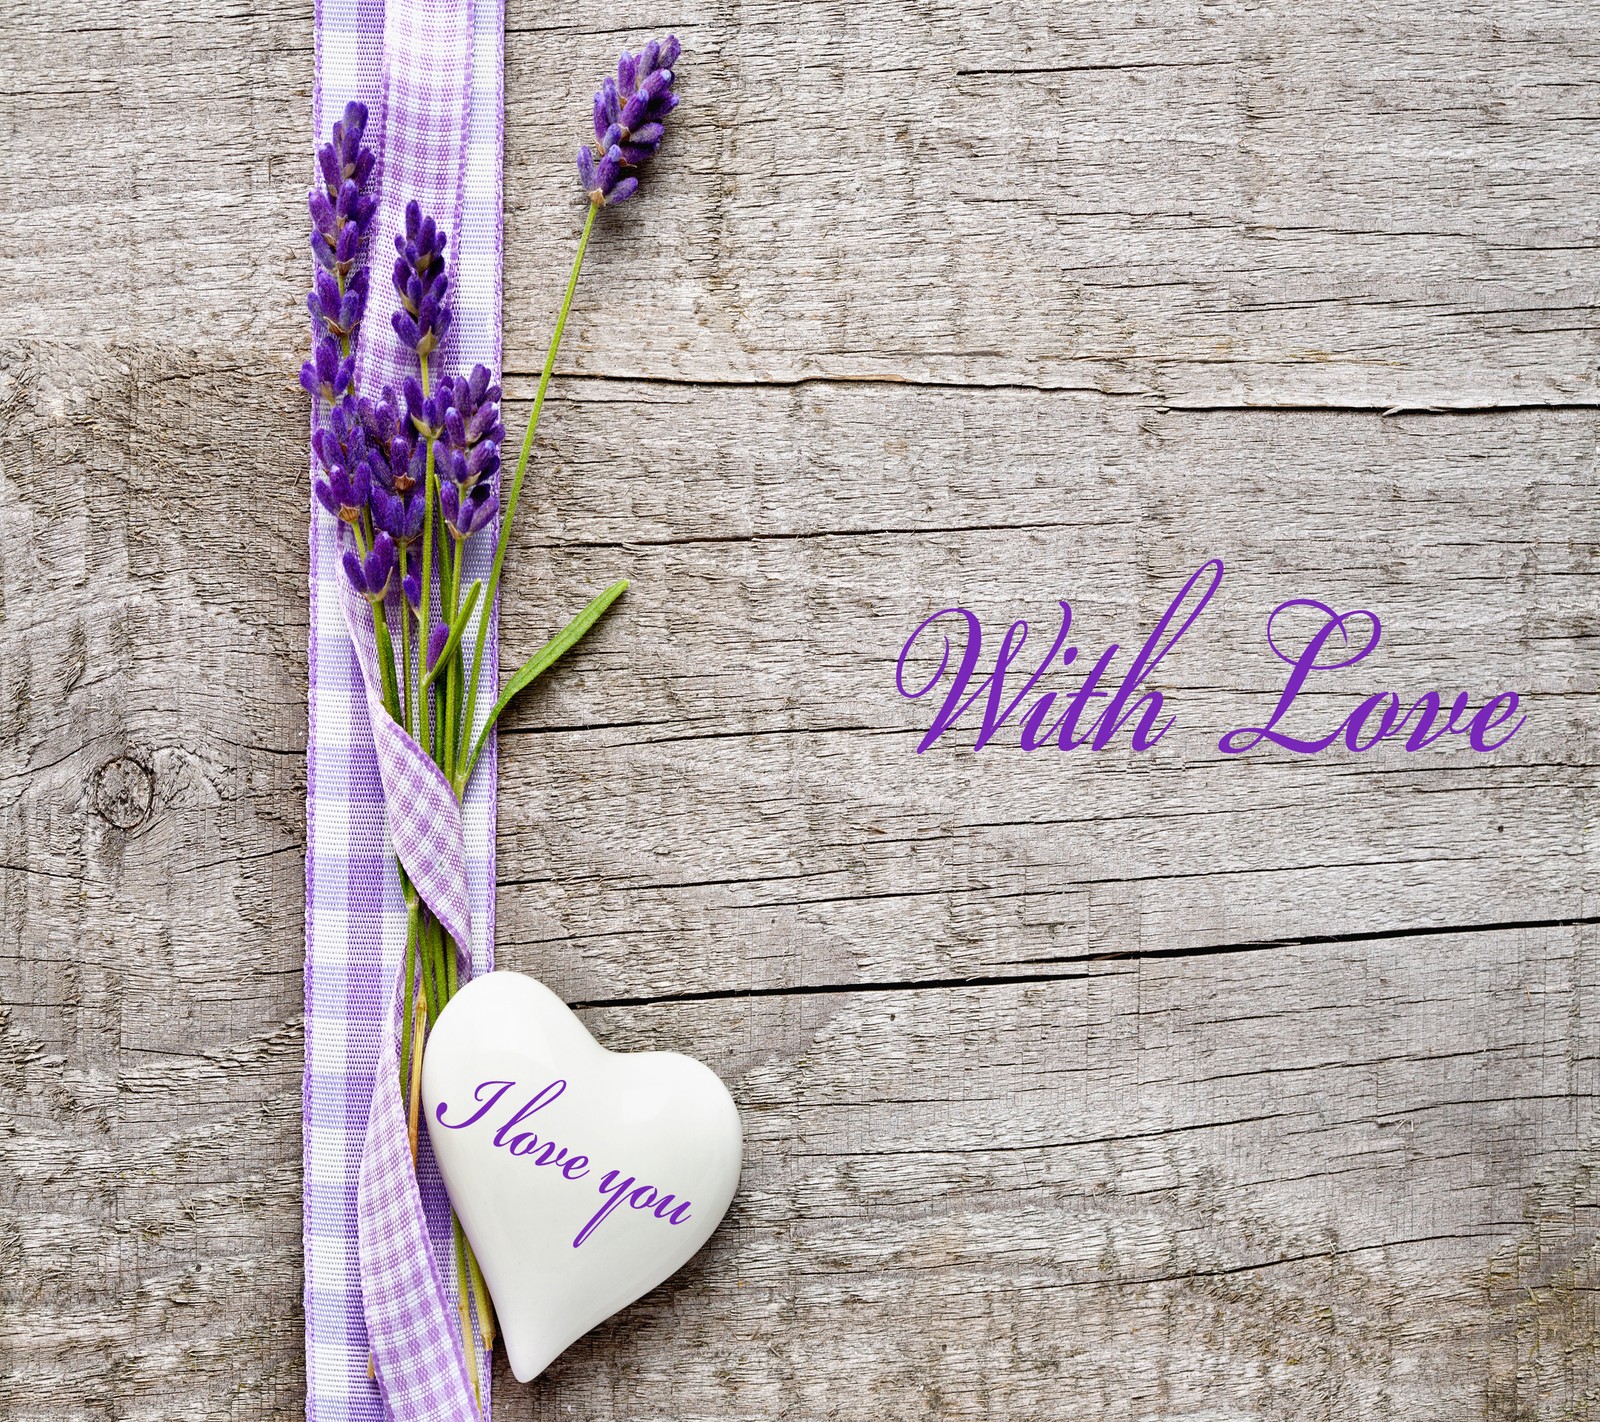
x=1215 y=950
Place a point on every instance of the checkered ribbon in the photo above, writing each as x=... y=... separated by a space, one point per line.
x=379 y=1266
x=423 y=812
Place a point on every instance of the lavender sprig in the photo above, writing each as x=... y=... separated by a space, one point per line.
x=341 y=212
x=630 y=112
x=423 y=285
x=629 y=122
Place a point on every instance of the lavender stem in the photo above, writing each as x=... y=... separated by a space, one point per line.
x=522 y=468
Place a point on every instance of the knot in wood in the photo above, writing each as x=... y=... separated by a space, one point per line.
x=123 y=792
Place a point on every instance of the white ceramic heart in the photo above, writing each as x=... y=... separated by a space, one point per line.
x=582 y=1177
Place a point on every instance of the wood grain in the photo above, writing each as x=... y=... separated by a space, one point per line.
x=1076 y=1086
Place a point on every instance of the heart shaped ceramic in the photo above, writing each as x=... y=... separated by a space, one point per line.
x=582 y=1177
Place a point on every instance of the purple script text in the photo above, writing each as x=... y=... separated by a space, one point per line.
x=1094 y=713
x=616 y=1187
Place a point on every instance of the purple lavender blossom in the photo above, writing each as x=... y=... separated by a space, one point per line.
x=467 y=510
x=398 y=515
x=346 y=160
x=629 y=116
x=370 y=576
x=425 y=413
x=422 y=283
x=334 y=312
x=341 y=440
x=345 y=462
x=349 y=457
x=469 y=451
x=344 y=492
x=328 y=374
x=341 y=212
x=436 y=640
x=402 y=458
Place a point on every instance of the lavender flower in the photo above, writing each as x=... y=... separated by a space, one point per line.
x=425 y=413
x=472 y=433
x=342 y=439
x=436 y=640
x=328 y=374
x=370 y=576
x=336 y=312
x=629 y=117
x=402 y=458
x=341 y=450
x=341 y=211
x=467 y=510
x=351 y=448
x=422 y=283
x=344 y=492
x=345 y=159
x=398 y=515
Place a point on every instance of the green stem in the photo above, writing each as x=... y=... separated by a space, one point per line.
x=464 y=1309
x=391 y=693
x=405 y=648
x=440 y=708
x=480 y=1294
x=457 y=628
x=409 y=998
x=429 y=960
x=423 y=605
x=509 y=508
x=441 y=959
x=380 y=629
x=449 y=552
x=450 y=655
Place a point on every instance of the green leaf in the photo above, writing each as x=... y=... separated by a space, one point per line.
x=541 y=661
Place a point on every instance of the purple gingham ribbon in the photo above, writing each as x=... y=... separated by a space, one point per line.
x=379 y=1269
x=424 y=814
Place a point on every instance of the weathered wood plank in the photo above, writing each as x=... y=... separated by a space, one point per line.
x=750 y=807
x=1212 y=1186
x=1215 y=204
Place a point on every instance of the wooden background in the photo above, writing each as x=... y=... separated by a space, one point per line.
x=1076 y=1087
